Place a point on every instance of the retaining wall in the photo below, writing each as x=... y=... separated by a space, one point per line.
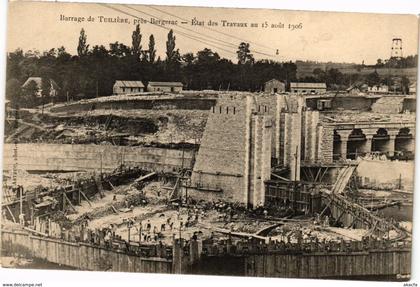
x=73 y=157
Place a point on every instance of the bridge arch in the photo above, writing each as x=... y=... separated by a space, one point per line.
x=356 y=144
x=404 y=143
x=380 y=141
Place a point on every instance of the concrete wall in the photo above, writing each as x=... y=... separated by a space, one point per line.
x=138 y=103
x=68 y=157
x=346 y=102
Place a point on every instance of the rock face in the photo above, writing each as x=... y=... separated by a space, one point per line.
x=388 y=104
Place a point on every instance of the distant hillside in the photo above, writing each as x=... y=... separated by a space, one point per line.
x=305 y=69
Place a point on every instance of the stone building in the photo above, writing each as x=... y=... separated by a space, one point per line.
x=128 y=87
x=172 y=87
x=378 y=89
x=308 y=88
x=54 y=89
x=274 y=86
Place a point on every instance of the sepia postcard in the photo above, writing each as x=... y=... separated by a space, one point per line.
x=212 y=141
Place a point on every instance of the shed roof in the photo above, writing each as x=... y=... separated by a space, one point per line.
x=129 y=84
x=308 y=85
x=166 y=84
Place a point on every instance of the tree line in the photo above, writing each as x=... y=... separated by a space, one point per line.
x=94 y=70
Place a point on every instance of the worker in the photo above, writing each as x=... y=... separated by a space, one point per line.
x=22 y=219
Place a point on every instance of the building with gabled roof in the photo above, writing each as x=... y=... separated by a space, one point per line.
x=128 y=87
x=308 y=88
x=38 y=81
x=172 y=87
x=274 y=86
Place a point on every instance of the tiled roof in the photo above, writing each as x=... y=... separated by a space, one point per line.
x=129 y=84
x=170 y=84
x=308 y=85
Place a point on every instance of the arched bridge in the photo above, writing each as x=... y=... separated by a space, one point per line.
x=393 y=139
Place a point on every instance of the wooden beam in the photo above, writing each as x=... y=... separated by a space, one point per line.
x=323 y=174
x=69 y=202
x=280 y=177
x=112 y=186
x=311 y=173
x=11 y=214
x=306 y=174
x=317 y=174
x=35 y=231
x=328 y=205
x=85 y=197
x=114 y=209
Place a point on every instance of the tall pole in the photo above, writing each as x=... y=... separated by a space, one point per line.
x=140 y=229
x=97 y=88
x=101 y=163
x=295 y=179
x=20 y=200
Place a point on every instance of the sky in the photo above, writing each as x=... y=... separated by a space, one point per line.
x=319 y=36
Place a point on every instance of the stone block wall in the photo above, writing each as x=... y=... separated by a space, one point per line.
x=292 y=143
x=310 y=135
x=325 y=144
x=221 y=160
x=90 y=157
x=234 y=158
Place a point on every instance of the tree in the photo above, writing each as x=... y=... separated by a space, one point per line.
x=119 y=50
x=82 y=48
x=373 y=79
x=244 y=54
x=320 y=75
x=136 y=42
x=62 y=55
x=172 y=64
x=188 y=58
x=151 y=52
x=170 y=47
x=13 y=90
x=405 y=85
x=334 y=78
